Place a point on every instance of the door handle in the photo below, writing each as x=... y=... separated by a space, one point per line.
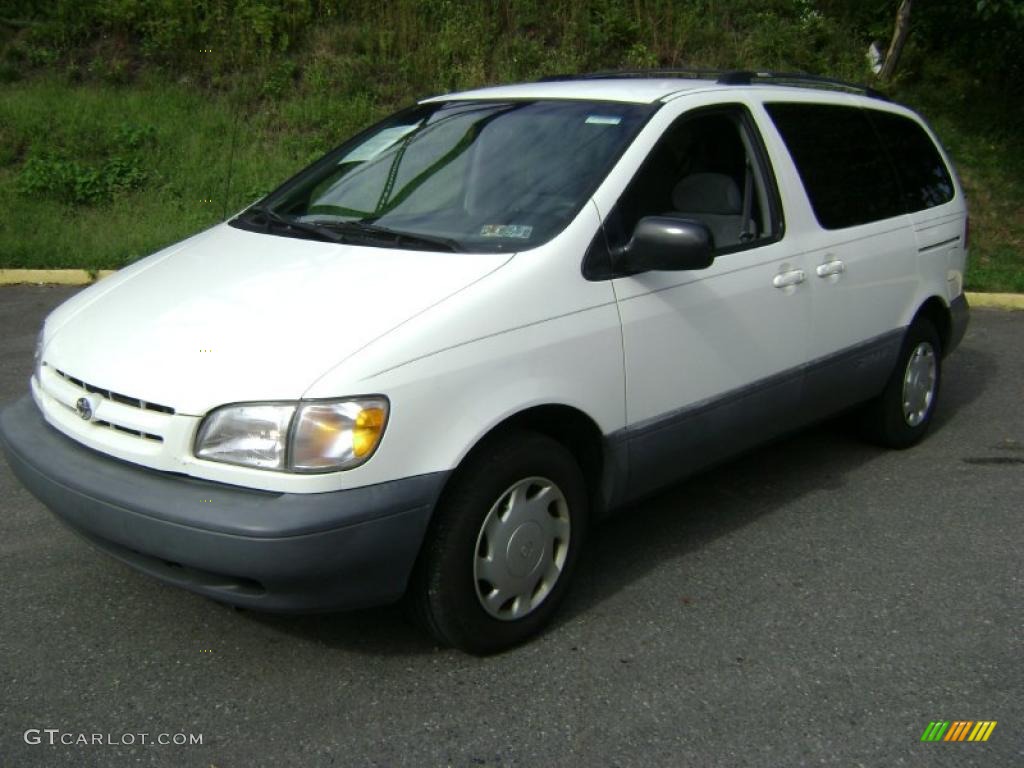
x=834 y=267
x=786 y=279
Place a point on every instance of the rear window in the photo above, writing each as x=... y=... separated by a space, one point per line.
x=924 y=179
x=841 y=161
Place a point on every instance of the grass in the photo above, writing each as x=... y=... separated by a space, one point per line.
x=992 y=174
x=980 y=130
x=186 y=161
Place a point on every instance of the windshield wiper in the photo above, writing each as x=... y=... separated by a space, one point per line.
x=318 y=231
x=340 y=232
x=399 y=237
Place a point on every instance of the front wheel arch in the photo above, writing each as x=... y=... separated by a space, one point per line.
x=567 y=425
x=443 y=596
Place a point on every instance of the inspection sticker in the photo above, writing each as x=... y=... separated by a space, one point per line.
x=521 y=231
x=603 y=120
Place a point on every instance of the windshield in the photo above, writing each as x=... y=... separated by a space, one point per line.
x=470 y=175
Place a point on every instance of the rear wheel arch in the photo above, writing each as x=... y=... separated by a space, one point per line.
x=899 y=417
x=937 y=312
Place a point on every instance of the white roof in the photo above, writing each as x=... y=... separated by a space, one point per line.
x=647 y=90
x=628 y=89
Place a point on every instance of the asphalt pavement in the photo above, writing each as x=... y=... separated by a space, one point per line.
x=817 y=602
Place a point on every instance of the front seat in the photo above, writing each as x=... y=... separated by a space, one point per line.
x=713 y=199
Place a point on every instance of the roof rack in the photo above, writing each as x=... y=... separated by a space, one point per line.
x=614 y=74
x=743 y=77
x=729 y=77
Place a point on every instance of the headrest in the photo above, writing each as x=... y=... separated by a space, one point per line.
x=707 y=193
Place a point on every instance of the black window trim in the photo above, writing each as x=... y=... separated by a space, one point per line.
x=918 y=123
x=867 y=110
x=596 y=265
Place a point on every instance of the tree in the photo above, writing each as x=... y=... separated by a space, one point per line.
x=899 y=37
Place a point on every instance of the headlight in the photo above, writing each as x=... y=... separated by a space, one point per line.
x=251 y=435
x=294 y=437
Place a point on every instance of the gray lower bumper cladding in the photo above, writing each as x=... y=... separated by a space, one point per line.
x=261 y=550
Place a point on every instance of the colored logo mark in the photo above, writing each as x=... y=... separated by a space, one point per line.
x=959 y=730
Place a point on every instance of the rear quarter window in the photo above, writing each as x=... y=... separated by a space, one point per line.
x=844 y=168
x=925 y=180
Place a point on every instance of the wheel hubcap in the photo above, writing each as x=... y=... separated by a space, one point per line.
x=521 y=548
x=919 y=384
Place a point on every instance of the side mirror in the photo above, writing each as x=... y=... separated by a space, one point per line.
x=666 y=243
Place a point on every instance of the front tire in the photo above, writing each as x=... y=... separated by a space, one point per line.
x=503 y=545
x=901 y=415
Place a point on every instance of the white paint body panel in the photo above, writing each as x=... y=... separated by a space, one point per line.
x=882 y=285
x=239 y=316
x=632 y=90
x=460 y=342
x=287 y=319
x=690 y=336
x=540 y=334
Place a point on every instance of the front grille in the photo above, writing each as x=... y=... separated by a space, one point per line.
x=145 y=428
x=128 y=430
x=117 y=397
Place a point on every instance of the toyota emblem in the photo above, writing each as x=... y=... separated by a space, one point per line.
x=84 y=408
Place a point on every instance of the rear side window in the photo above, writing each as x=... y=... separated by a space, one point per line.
x=842 y=164
x=924 y=179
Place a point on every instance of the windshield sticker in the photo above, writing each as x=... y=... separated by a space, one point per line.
x=377 y=143
x=520 y=231
x=603 y=120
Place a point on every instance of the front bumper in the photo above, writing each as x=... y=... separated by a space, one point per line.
x=257 y=549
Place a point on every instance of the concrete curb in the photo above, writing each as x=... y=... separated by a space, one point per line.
x=52 y=276
x=996 y=300
x=84 y=277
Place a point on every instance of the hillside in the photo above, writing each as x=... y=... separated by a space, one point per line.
x=127 y=125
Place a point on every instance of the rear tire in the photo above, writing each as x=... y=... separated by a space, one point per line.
x=901 y=415
x=502 y=546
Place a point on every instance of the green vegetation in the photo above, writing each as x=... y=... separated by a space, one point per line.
x=95 y=176
x=127 y=125
x=991 y=169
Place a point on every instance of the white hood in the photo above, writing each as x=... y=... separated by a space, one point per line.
x=230 y=315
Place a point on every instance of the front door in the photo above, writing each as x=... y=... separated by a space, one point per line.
x=712 y=357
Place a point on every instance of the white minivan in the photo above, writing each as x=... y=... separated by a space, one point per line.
x=425 y=364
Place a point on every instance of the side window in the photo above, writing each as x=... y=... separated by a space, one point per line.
x=924 y=178
x=842 y=164
x=707 y=166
